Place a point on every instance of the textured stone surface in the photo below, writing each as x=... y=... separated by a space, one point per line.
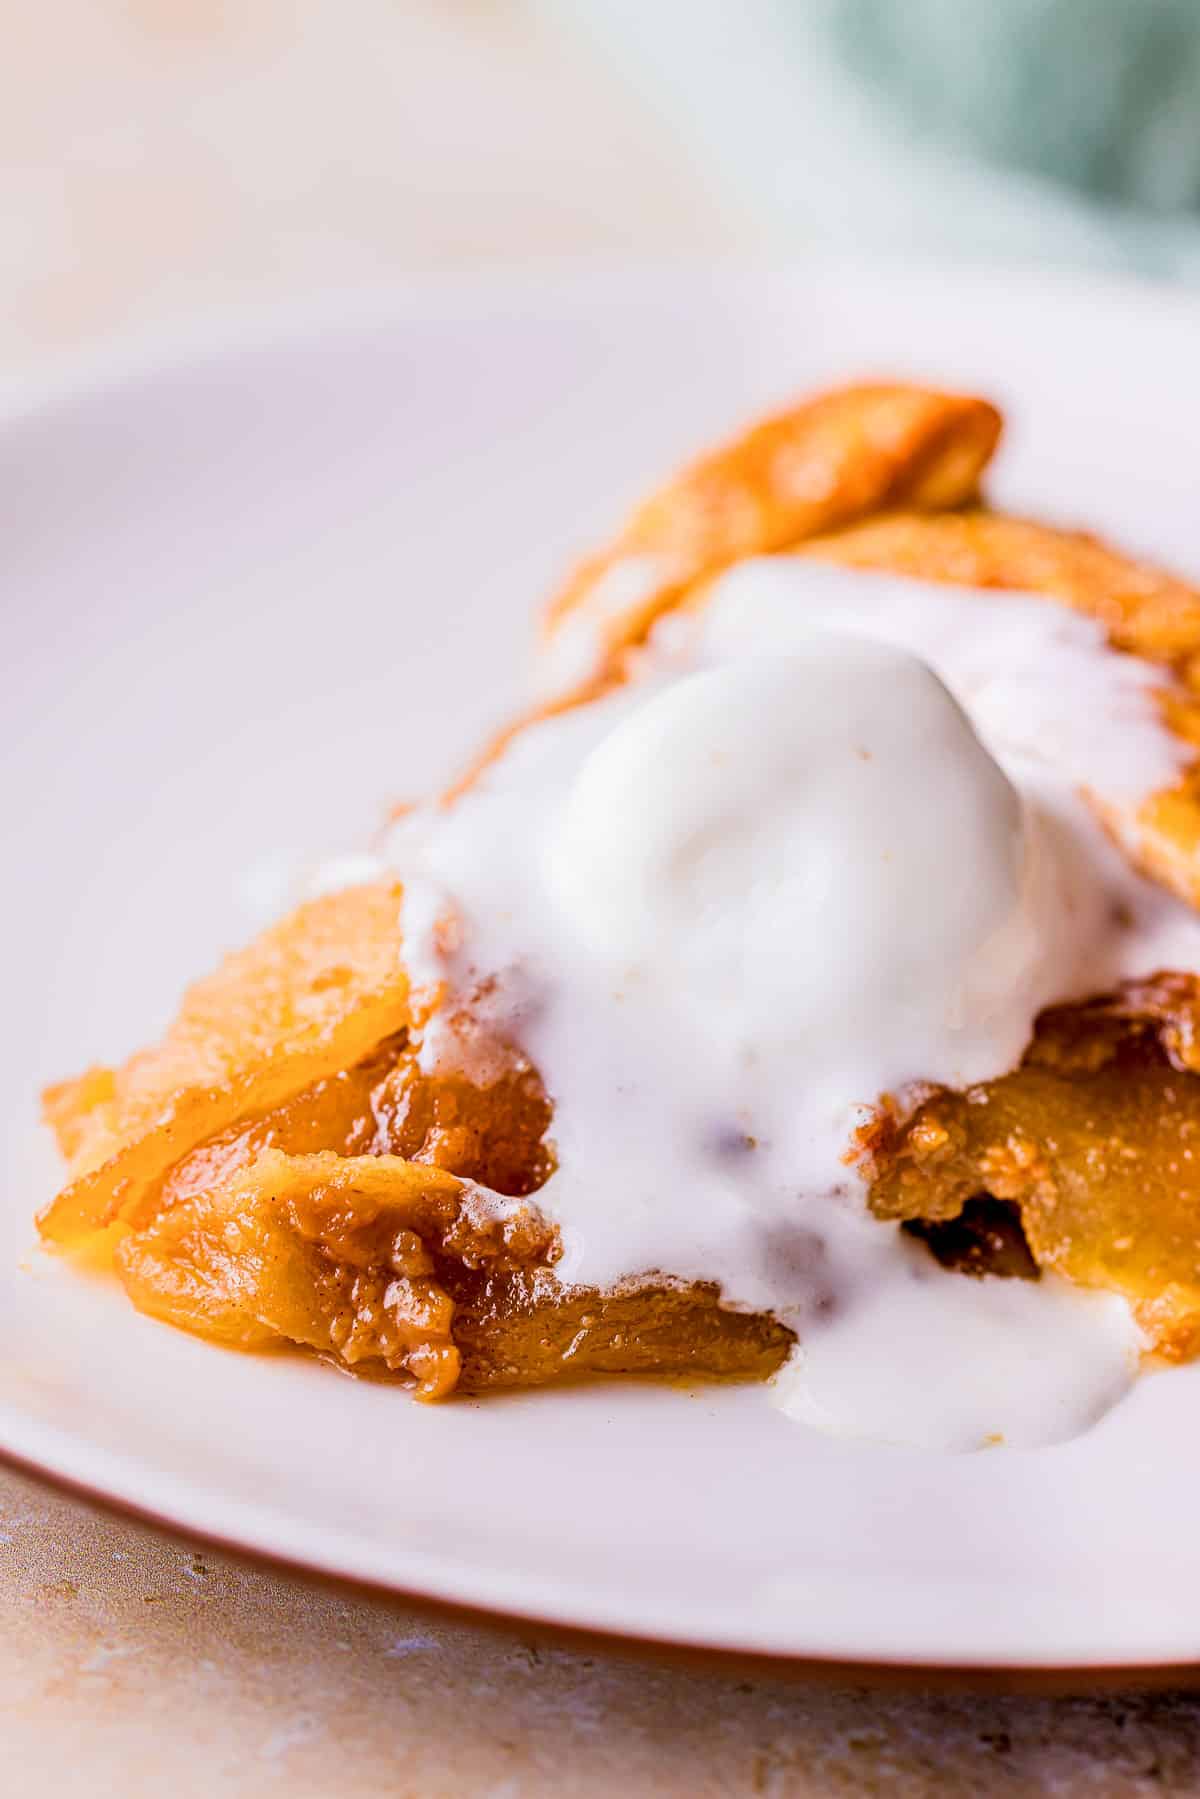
x=134 y=1663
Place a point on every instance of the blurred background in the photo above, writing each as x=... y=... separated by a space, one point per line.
x=163 y=158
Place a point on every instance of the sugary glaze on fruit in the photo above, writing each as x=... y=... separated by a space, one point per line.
x=339 y=1253
x=1095 y=1138
x=337 y=1142
x=308 y=998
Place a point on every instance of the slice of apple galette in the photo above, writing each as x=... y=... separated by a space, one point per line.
x=811 y=977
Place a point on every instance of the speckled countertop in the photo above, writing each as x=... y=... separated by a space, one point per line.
x=163 y=157
x=134 y=1664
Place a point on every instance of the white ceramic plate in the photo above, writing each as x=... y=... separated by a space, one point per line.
x=254 y=591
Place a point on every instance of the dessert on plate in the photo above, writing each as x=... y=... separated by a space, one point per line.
x=806 y=985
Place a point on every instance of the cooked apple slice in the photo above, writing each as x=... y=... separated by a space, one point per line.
x=309 y=997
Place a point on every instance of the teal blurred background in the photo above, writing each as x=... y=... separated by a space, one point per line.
x=1102 y=95
x=1059 y=131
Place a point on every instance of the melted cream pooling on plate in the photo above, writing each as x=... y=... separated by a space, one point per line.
x=826 y=844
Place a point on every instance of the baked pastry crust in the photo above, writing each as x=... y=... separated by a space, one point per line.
x=833 y=459
x=1144 y=611
x=308 y=998
x=279 y=1170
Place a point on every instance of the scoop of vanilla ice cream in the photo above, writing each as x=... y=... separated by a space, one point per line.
x=732 y=902
x=820 y=864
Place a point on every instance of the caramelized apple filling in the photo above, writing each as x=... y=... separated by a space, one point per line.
x=1096 y=1140
x=338 y=1253
x=363 y=1219
x=369 y=1217
x=332 y=1222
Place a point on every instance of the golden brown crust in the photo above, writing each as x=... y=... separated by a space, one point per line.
x=1162 y=835
x=309 y=997
x=1144 y=611
x=832 y=459
x=71 y=1107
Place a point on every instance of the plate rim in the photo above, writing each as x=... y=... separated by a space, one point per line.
x=988 y=1675
x=134 y=353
